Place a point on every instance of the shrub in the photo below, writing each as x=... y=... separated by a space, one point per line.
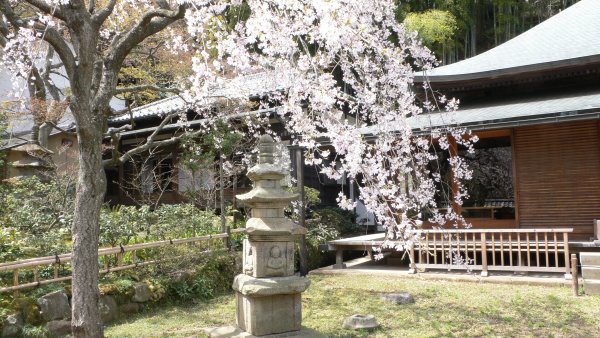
x=36 y=216
x=207 y=275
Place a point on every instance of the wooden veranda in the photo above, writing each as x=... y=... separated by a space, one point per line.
x=484 y=250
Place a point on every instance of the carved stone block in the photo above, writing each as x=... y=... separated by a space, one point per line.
x=269 y=314
x=268 y=259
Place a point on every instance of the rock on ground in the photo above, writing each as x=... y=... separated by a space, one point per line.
x=359 y=321
x=399 y=298
x=59 y=328
x=54 y=306
x=13 y=326
x=142 y=293
x=108 y=309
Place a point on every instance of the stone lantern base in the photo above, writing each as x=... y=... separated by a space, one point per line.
x=235 y=332
x=269 y=305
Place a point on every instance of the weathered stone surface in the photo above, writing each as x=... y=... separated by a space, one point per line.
x=108 y=309
x=268 y=225
x=141 y=293
x=12 y=326
x=257 y=287
x=399 y=298
x=54 y=306
x=269 y=314
x=30 y=310
x=359 y=321
x=591 y=287
x=59 y=328
x=590 y=258
x=278 y=256
x=130 y=308
x=590 y=272
x=179 y=276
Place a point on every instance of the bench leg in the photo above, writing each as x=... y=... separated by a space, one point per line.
x=412 y=264
x=339 y=259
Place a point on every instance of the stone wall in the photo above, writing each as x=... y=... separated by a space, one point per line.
x=53 y=310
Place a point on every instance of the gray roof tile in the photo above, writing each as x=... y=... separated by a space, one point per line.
x=245 y=86
x=519 y=112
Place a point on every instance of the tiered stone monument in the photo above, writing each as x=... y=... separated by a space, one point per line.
x=268 y=292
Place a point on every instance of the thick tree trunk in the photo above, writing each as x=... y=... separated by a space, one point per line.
x=91 y=186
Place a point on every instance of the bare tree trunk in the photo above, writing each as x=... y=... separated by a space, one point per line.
x=91 y=187
x=473 y=29
x=222 y=197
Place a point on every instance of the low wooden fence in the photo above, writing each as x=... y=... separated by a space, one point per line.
x=104 y=254
x=526 y=250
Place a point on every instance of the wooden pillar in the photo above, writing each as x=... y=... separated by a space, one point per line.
x=454 y=152
x=222 y=199
x=303 y=252
x=567 y=258
x=484 y=263
x=413 y=264
x=234 y=200
x=575 y=279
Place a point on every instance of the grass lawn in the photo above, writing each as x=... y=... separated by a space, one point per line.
x=442 y=309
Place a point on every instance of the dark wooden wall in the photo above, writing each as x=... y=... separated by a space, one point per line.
x=558 y=176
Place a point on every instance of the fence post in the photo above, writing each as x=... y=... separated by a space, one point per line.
x=566 y=250
x=120 y=259
x=484 y=263
x=575 y=279
x=16 y=280
x=228 y=239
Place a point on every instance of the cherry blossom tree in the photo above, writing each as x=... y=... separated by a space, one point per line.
x=334 y=67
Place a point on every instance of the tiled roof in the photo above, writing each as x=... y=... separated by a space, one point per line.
x=570 y=37
x=246 y=86
x=19 y=130
x=514 y=113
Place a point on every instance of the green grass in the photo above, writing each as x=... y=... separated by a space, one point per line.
x=442 y=309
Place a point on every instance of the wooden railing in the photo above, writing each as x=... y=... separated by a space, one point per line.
x=526 y=250
x=104 y=255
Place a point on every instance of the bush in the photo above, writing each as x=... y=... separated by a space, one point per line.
x=326 y=224
x=36 y=217
x=203 y=276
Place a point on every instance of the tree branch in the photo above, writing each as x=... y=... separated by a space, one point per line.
x=62 y=48
x=150 y=143
x=163 y=4
x=50 y=35
x=47 y=8
x=52 y=89
x=151 y=23
x=99 y=18
x=91 y=6
x=141 y=88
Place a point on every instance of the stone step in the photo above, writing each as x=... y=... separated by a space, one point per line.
x=591 y=287
x=591 y=273
x=590 y=258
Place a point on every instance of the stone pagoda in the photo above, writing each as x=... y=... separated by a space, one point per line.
x=268 y=293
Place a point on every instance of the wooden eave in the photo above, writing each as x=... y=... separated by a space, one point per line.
x=518 y=75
